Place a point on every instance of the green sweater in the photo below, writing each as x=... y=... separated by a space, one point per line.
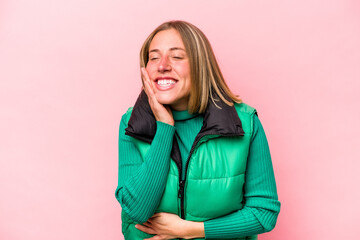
x=141 y=183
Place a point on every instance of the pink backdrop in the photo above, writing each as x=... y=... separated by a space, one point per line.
x=69 y=70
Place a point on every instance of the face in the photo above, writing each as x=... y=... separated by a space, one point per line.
x=169 y=69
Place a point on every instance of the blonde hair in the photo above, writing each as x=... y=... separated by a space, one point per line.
x=205 y=74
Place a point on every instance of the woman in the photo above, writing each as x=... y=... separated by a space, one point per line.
x=194 y=161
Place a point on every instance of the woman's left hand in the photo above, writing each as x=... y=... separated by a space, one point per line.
x=170 y=226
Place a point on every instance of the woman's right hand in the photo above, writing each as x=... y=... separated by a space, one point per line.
x=162 y=113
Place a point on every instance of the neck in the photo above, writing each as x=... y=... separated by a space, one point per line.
x=183 y=115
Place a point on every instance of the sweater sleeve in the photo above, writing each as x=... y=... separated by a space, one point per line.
x=261 y=207
x=141 y=182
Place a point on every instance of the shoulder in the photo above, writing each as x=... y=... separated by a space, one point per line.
x=244 y=108
x=126 y=116
x=124 y=123
x=246 y=114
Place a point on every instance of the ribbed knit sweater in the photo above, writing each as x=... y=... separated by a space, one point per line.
x=141 y=183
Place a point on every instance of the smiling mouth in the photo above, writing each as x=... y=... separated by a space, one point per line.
x=165 y=82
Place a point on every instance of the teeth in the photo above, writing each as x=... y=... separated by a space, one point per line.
x=166 y=82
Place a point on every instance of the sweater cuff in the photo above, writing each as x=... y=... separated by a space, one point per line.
x=162 y=142
x=237 y=224
x=164 y=129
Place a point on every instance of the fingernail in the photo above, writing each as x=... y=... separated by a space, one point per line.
x=136 y=226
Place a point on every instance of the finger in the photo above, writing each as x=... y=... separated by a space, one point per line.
x=156 y=215
x=151 y=96
x=146 y=87
x=147 y=224
x=143 y=79
x=145 y=74
x=154 y=104
x=152 y=218
x=145 y=229
x=153 y=224
x=157 y=237
x=146 y=78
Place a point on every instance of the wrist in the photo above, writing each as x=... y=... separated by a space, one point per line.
x=167 y=121
x=164 y=125
x=172 y=123
x=193 y=230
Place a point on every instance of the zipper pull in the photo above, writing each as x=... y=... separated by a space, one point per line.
x=181 y=189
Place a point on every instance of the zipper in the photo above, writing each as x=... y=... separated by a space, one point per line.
x=181 y=192
x=181 y=196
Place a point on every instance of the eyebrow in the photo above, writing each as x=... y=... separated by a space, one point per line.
x=171 y=49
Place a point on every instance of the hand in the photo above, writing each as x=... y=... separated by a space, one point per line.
x=170 y=226
x=162 y=113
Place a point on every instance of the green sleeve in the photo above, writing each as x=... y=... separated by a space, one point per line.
x=261 y=207
x=141 y=182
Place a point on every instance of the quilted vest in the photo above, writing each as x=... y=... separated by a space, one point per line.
x=215 y=169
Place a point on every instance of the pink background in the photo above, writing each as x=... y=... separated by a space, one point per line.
x=69 y=70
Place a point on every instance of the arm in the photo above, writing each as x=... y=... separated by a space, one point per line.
x=141 y=182
x=258 y=215
x=261 y=207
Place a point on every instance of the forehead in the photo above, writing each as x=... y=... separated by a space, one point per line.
x=166 y=39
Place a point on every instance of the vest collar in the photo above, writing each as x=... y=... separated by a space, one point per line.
x=224 y=121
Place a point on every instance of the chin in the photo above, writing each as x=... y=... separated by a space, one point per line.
x=165 y=99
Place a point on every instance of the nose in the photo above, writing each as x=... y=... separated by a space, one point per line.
x=164 y=64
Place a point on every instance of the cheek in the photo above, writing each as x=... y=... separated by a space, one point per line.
x=148 y=67
x=184 y=70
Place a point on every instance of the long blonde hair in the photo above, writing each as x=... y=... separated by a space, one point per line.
x=205 y=74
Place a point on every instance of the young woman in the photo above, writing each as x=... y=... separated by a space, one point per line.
x=194 y=161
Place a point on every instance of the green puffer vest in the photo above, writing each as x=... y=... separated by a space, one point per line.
x=215 y=169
